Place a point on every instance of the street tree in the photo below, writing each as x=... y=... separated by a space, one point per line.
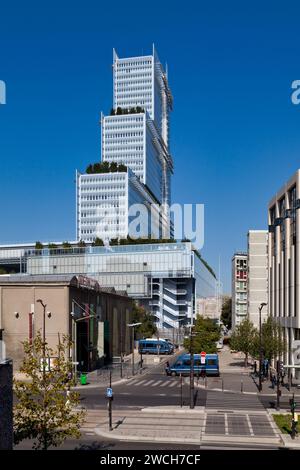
x=226 y=311
x=273 y=344
x=140 y=315
x=205 y=336
x=244 y=338
x=45 y=408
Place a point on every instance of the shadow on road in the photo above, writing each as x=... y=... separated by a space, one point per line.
x=95 y=445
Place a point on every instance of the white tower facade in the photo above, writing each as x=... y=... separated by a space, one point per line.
x=135 y=134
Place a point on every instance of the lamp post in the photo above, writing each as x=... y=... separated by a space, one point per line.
x=133 y=325
x=44 y=331
x=74 y=333
x=192 y=368
x=262 y=305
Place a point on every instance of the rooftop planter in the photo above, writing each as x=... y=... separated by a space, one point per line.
x=106 y=167
x=119 y=111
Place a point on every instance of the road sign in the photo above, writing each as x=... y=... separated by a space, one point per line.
x=202 y=356
x=109 y=392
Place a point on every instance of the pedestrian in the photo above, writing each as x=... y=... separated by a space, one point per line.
x=167 y=367
x=273 y=380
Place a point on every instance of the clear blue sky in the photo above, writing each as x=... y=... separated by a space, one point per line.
x=235 y=134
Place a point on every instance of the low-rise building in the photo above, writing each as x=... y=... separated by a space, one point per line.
x=166 y=278
x=94 y=317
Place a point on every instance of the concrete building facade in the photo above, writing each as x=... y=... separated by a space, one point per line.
x=239 y=287
x=257 y=284
x=284 y=264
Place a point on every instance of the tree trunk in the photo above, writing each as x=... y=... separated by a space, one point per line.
x=246 y=360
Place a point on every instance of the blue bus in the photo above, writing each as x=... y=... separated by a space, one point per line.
x=183 y=365
x=155 y=346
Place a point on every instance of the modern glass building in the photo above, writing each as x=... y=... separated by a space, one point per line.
x=167 y=278
x=135 y=134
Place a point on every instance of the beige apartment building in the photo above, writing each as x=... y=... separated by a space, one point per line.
x=284 y=265
x=95 y=318
x=257 y=285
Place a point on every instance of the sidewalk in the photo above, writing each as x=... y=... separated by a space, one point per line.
x=101 y=377
x=183 y=425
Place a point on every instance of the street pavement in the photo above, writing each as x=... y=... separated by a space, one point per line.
x=229 y=412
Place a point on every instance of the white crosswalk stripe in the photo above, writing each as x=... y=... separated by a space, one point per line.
x=157 y=383
x=148 y=383
x=173 y=384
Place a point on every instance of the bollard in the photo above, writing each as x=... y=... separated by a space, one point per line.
x=222 y=385
x=242 y=386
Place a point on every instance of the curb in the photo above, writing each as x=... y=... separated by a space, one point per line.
x=213 y=438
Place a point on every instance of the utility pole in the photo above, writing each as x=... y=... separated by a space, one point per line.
x=133 y=325
x=191 y=369
x=262 y=305
x=278 y=391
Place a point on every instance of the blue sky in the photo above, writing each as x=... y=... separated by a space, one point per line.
x=235 y=133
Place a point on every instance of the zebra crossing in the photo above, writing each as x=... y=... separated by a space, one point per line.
x=154 y=383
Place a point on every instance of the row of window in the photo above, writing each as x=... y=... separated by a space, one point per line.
x=122 y=63
x=136 y=87
x=114 y=135
x=128 y=144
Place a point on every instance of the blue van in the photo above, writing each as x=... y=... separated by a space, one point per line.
x=183 y=365
x=155 y=346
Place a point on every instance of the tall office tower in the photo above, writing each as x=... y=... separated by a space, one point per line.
x=136 y=134
x=257 y=274
x=239 y=287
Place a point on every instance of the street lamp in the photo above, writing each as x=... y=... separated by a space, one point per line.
x=44 y=331
x=262 y=305
x=74 y=330
x=133 y=325
x=192 y=368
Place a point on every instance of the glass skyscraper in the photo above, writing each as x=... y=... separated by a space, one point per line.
x=136 y=134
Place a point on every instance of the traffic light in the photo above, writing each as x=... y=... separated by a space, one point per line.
x=280 y=367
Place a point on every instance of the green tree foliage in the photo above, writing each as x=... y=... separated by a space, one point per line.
x=205 y=335
x=106 y=167
x=52 y=246
x=98 y=242
x=38 y=246
x=273 y=344
x=66 y=245
x=133 y=110
x=226 y=311
x=140 y=315
x=244 y=338
x=45 y=407
x=81 y=244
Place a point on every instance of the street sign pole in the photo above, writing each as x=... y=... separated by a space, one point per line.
x=278 y=387
x=109 y=396
x=192 y=372
x=181 y=391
